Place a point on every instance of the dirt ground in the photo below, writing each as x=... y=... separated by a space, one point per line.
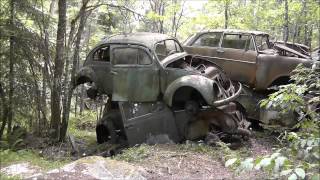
x=171 y=161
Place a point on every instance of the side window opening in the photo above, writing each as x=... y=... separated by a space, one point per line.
x=102 y=54
x=144 y=58
x=237 y=41
x=130 y=56
x=209 y=39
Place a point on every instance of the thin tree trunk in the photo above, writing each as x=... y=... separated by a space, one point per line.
x=65 y=117
x=58 y=70
x=4 y=116
x=286 y=22
x=226 y=17
x=304 y=7
x=11 y=67
x=45 y=70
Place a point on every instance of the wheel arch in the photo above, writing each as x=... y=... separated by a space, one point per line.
x=86 y=74
x=186 y=87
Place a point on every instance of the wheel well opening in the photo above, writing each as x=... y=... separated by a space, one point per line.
x=283 y=80
x=184 y=94
x=82 y=80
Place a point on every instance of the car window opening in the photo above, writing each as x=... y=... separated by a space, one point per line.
x=102 y=54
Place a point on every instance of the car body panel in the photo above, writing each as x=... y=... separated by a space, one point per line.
x=258 y=69
x=200 y=83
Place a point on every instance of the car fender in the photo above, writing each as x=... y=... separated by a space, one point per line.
x=200 y=83
x=271 y=67
x=85 y=74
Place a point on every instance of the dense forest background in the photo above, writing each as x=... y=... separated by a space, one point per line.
x=44 y=42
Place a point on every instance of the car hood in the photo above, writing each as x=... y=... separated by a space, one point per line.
x=172 y=58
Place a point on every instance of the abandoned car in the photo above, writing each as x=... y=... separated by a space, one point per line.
x=155 y=88
x=247 y=56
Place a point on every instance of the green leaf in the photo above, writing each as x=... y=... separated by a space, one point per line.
x=293 y=177
x=274 y=155
x=285 y=172
x=247 y=164
x=230 y=162
x=303 y=143
x=315 y=177
x=279 y=163
x=300 y=172
x=265 y=162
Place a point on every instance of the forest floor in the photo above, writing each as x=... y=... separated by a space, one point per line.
x=192 y=160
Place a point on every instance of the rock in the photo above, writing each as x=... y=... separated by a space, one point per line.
x=94 y=167
x=21 y=170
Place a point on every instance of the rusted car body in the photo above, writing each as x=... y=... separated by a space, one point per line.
x=156 y=88
x=247 y=56
x=299 y=48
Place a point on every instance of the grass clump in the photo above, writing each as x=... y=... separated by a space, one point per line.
x=5 y=177
x=8 y=157
x=83 y=126
x=135 y=154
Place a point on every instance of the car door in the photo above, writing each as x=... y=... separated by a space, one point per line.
x=143 y=121
x=205 y=45
x=100 y=64
x=237 y=56
x=135 y=74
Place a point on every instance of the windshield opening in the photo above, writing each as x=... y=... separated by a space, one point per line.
x=262 y=42
x=167 y=47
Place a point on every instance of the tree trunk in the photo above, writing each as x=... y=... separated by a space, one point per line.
x=226 y=17
x=66 y=111
x=4 y=114
x=11 y=68
x=304 y=7
x=286 y=22
x=58 y=70
x=45 y=70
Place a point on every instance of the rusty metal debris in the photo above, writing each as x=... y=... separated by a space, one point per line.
x=155 y=88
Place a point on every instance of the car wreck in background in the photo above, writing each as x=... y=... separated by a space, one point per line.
x=155 y=88
x=249 y=57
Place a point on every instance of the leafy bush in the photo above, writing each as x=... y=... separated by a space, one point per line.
x=299 y=158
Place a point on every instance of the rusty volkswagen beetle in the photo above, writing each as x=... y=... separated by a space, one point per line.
x=156 y=88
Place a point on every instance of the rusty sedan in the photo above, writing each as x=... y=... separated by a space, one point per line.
x=247 y=56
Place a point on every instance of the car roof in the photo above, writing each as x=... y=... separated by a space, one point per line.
x=238 y=31
x=144 y=38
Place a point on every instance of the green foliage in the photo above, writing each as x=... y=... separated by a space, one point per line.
x=134 y=154
x=298 y=160
x=8 y=157
x=83 y=126
x=300 y=97
x=5 y=177
x=299 y=157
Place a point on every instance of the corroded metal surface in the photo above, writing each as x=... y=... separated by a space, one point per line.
x=153 y=81
x=247 y=56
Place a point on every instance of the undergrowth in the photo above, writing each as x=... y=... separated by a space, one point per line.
x=9 y=156
x=299 y=155
x=83 y=126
